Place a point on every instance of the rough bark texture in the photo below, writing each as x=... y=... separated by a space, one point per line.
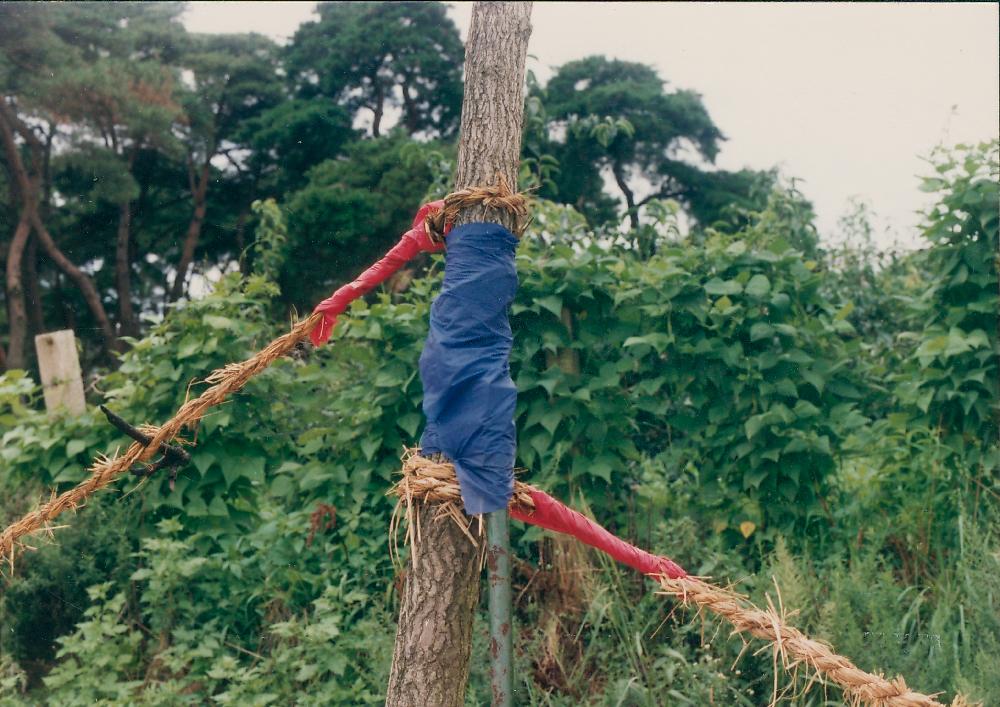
x=493 y=108
x=430 y=665
x=33 y=288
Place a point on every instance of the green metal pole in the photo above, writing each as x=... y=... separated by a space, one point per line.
x=501 y=625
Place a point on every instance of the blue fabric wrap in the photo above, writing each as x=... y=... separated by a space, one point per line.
x=469 y=397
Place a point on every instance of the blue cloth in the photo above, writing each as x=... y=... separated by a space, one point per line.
x=469 y=397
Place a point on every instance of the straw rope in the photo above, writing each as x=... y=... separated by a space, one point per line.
x=104 y=470
x=498 y=197
x=433 y=481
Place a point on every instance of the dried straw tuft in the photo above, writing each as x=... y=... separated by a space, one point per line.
x=498 y=198
x=430 y=480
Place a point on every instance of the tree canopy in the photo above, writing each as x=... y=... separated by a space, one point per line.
x=379 y=56
x=135 y=150
x=617 y=116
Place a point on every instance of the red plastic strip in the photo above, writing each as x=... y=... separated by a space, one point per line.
x=413 y=242
x=553 y=515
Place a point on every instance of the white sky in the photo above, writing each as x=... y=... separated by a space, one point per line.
x=844 y=96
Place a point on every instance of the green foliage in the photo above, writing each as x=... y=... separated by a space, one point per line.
x=353 y=210
x=606 y=114
x=720 y=361
x=47 y=597
x=956 y=353
x=713 y=402
x=272 y=235
x=935 y=445
x=940 y=634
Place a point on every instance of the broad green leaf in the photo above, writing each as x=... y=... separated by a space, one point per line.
x=717 y=287
x=760 y=330
x=552 y=303
x=759 y=286
x=754 y=425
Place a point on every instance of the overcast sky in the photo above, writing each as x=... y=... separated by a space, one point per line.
x=844 y=96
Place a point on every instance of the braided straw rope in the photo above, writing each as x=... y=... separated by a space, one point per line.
x=498 y=198
x=433 y=481
x=104 y=470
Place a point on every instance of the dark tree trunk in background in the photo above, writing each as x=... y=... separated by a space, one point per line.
x=633 y=212
x=80 y=279
x=33 y=289
x=199 y=195
x=28 y=187
x=430 y=666
x=17 y=318
x=379 y=108
x=128 y=323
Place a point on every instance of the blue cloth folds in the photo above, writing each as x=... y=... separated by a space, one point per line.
x=469 y=397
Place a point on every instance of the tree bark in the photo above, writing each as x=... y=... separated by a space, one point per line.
x=379 y=108
x=199 y=195
x=633 y=212
x=33 y=289
x=430 y=666
x=17 y=317
x=127 y=322
x=79 y=278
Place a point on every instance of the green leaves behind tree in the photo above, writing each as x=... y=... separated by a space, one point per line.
x=291 y=138
x=719 y=363
x=375 y=57
x=352 y=210
x=717 y=390
x=930 y=458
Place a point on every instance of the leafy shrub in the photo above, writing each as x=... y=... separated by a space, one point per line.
x=708 y=401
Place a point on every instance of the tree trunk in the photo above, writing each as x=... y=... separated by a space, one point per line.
x=430 y=663
x=379 y=108
x=127 y=322
x=430 y=666
x=33 y=289
x=28 y=187
x=80 y=279
x=633 y=212
x=17 y=316
x=410 y=112
x=199 y=195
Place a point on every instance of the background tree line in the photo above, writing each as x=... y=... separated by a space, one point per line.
x=133 y=150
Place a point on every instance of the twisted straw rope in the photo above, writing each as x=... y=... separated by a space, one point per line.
x=433 y=481
x=498 y=197
x=104 y=470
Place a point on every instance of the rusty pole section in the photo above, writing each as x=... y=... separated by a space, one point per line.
x=501 y=626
